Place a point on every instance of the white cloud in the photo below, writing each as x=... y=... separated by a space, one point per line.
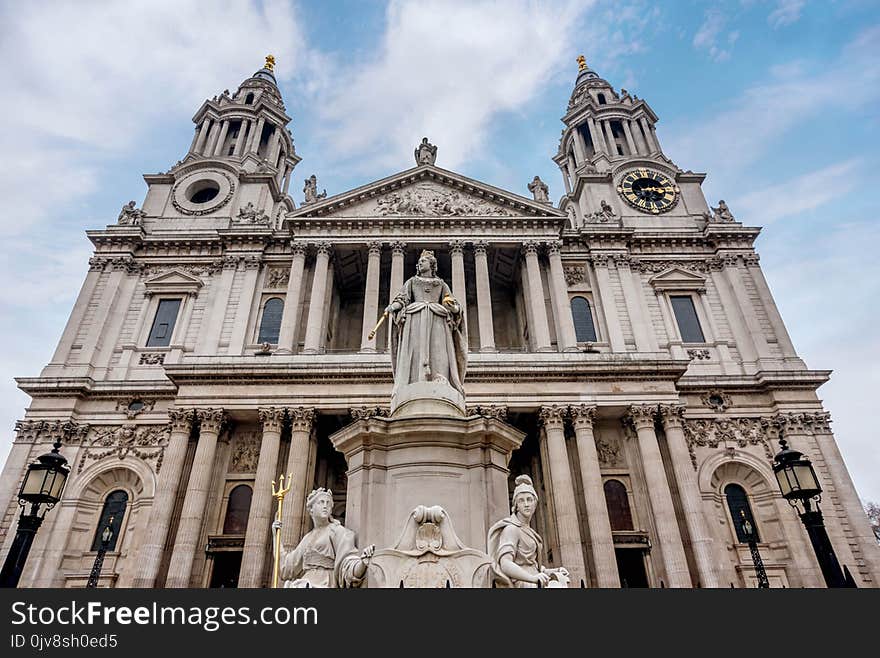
x=443 y=70
x=741 y=129
x=786 y=13
x=797 y=195
x=711 y=35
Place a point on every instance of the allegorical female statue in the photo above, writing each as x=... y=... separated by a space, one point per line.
x=427 y=338
x=515 y=548
x=327 y=556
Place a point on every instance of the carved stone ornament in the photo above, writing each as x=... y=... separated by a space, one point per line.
x=428 y=200
x=301 y=418
x=277 y=277
x=552 y=415
x=151 y=359
x=539 y=190
x=699 y=354
x=50 y=431
x=146 y=442
x=716 y=399
x=362 y=413
x=133 y=406
x=574 y=274
x=250 y=215
x=722 y=213
x=211 y=420
x=272 y=418
x=728 y=432
x=604 y=215
x=497 y=411
x=608 y=452
x=130 y=215
x=642 y=415
x=245 y=452
x=185 y=206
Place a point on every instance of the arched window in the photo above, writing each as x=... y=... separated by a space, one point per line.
x=740 y=511
x=237 y=510
x=270 y=322
x=112 y=514
x=249 y=99
x=601 y=98
x=584 y=328
x=618 y=505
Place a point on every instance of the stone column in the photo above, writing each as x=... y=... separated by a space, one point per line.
x=640 y=138
x=301 y=419
x=744 y=306
x=398 y=255
x=601 y=539
x=211 y=142
x=315 y=322
x=689 y=494
x=540 y=331
x=256 y=539
x=668 y=534
x=456 y=248
x=484 y=299
x=203 y=135
x=245 y=301
x=580 y=150
x=108 y=301
x=240 y=139
x=629 y=137
x=150 y=554
x=649 y=137
x=275 y=146
x=254 y=144
x=612 y=143
x=609 y=306
x=224 y=128
x=371 y=297
x=744 y=344
x=597 y=136
x=786 y=347
x=189 y=528
x=290 y=316
x=565 y=334
x=846 y=494
x=567 y=524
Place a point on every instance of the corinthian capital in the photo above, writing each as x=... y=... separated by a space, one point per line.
x=180 y=420
x=301 y=418
x=583 y=415
x=642 y=415
x=272 y=418
x=324 y=248
x=456 y=247
x=672 y=415
x=552 y=415
x=530 y=247
x=211 y=420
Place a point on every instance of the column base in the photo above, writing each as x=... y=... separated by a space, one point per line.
x=368 y=350
x=489 y=350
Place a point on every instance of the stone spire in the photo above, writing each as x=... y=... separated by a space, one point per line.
x=248 y=128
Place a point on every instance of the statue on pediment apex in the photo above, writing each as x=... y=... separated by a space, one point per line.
x=310 y=190
x=539 y=190
x=426 y=153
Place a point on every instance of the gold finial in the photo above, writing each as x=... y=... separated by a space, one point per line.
x=270 y=62
x=582 y=63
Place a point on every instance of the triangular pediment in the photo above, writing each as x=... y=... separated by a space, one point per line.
x=677 y=278
x=173 y=281
x=426 y=191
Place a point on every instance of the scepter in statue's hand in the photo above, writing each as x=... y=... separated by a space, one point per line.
x=388 y=310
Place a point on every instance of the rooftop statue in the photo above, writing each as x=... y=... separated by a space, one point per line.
x=539 y=190
x=426 y=153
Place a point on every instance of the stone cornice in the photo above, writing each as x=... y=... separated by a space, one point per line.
x=759 y=382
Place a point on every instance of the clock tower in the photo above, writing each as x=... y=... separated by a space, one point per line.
x=613 y=167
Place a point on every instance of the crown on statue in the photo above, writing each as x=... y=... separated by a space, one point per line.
x=314 y=493
x=426 y=254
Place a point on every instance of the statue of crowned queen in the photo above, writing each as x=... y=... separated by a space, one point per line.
x=424 y=464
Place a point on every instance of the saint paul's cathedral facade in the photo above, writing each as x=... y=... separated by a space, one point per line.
x=623 y=350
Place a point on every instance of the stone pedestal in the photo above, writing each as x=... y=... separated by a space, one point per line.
x=434 y=398
x=396 y=464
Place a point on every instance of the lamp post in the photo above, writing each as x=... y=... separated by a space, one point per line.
x=42 y=486
x=799 y=485
x=749 y=531
x=106 y=536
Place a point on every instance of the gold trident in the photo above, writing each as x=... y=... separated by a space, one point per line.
x=279 y=494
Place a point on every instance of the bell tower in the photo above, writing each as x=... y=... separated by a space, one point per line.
x=609 y=145
x=239 y=163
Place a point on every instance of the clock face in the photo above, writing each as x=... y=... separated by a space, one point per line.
x=648 y=191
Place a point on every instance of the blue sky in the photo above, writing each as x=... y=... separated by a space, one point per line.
x=776 y=99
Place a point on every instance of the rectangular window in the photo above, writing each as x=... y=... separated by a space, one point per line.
x=163 y=325
x=686 y=316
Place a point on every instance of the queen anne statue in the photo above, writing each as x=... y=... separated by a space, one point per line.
x=428 y=351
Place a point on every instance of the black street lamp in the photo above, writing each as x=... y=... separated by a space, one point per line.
x=749 y=531
x=42 y=485
x=106 y=536
x=799 y=485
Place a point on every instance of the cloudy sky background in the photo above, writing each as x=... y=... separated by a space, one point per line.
x=776 y=99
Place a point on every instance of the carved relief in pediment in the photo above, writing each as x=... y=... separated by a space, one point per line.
x=427 y=200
